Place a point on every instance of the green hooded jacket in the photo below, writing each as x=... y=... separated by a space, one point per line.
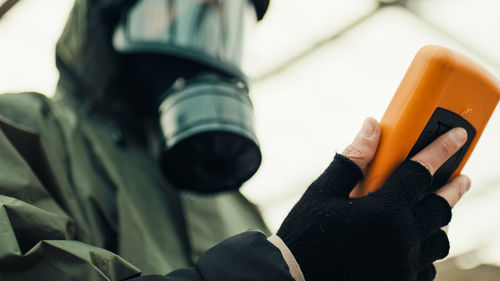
x=82 y=196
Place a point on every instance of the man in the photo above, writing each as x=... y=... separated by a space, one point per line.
x=84 y=196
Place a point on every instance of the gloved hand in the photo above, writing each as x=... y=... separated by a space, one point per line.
x=387 y=235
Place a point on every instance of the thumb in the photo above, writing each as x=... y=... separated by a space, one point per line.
x=364 y=146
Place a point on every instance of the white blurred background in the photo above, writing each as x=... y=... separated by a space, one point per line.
x=319 y=67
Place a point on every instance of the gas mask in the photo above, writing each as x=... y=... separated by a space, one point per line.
x=188 y=54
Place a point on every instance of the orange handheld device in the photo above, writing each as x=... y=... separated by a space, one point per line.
x=441 y=90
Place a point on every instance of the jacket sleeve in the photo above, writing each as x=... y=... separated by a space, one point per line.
x=36 y=235
x=248 y=256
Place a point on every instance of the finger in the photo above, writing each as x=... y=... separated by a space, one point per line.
x=445 y=228
x=427 y=274
x=339 y=178
x=364 y=146
x=432 y=213
x=407 y=182
x=436 y=153
x=434 y=248
x=454 y=190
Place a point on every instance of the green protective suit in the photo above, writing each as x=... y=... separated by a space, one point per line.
x=81 y=194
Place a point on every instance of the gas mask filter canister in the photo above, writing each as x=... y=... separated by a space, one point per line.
x=209 y=138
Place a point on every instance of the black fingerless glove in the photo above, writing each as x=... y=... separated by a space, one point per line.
x=387 y=235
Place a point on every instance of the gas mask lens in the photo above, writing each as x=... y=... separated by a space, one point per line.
x=212 y=32
x=206 y=117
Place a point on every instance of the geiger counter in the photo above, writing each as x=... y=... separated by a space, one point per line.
x=442 y=89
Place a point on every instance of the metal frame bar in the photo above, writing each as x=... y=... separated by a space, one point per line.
x=382 y=4
x=279 y=68
x=6 y=6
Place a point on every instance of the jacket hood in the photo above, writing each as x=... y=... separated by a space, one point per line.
x=92 y=71
x=89 y=67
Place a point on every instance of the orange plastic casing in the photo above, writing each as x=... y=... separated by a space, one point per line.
x=437 y=77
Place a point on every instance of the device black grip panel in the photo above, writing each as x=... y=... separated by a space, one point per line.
x=440 y=122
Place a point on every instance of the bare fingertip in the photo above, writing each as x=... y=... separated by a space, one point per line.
x=466 y=181
x=368 y=128
x=375 y=123
x=460 y=135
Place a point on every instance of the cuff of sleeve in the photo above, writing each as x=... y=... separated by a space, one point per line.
x=290 y=260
